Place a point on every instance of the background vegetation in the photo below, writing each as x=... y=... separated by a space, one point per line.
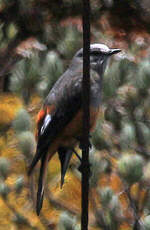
x=37 y=42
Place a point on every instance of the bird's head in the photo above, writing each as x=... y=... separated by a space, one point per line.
x=99 y=55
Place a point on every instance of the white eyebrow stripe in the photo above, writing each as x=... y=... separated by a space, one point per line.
x=102 y=47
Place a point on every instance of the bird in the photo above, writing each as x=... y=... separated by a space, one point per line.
x=59 y=121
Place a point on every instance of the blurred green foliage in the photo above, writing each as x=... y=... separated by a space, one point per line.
x=130 y=168
x=22 y=121
x=4 y=168
x=66 y=222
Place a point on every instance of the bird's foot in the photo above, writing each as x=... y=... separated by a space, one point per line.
x=78 y=156
x=81 y=168
x=82 y=145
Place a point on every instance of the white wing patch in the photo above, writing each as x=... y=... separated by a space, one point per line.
x=47 y=120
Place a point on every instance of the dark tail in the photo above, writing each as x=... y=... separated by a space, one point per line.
x=39 y=153
x=64 y=156
x=41 y=183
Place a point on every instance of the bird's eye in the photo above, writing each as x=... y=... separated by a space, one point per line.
x=92 y=53
x=80 y=54
x=96 y=53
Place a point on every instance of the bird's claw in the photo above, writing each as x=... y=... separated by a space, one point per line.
x=80 y=168
x=82 y=145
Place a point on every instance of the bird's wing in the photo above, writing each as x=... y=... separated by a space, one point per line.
x=60 y=107
x=60 y=113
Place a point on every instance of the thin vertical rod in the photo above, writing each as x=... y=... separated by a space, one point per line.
x=86 y=114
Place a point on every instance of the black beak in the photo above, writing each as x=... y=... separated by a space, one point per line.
x=114 y=51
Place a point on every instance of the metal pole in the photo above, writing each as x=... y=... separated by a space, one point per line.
x=86 y=114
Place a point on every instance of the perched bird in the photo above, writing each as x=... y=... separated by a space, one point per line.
x=59 y=122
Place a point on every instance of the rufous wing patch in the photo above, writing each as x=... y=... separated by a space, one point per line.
x=41 y=116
